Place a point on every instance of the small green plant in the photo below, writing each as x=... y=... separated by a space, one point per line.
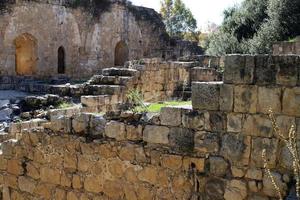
x=291 y=144
x=135 y=99
x=64 y=105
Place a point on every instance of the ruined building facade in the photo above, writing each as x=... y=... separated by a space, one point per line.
x=48 y=38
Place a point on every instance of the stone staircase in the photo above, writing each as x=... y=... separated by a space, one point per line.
x=107 y=91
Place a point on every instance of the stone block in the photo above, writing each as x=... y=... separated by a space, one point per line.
x=237 y=172
x=291 y=101
x=268 y=188
x=255 y=174
x=116 y=130
x=234 y=122
x=298 y=127
x=194 y=163
x=206 y=95
x=134 y=133
x=93 y=184
x=15 y=167
x=172 y=162
x=236 y=189
x=170 y=116
x=266 y=70
x=226 y=97
x=287 y=73
x=156 y=134
x=236 y=148
x=284 y=124
x=239 y=69
x=206 y=142
x=97 y=125
x=181 y=139
x=215 y=121
x=80 y=123
x=149 y=175
x=269 y=98
x=193 y=120
x=26 y=184
x=217 y=166
x=61 y=124
x=258 y=125
x=258 y=145
x=49 y=175
x=245 y=99
x=215 y=189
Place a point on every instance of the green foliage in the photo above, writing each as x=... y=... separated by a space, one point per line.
x=222 y=42
x=135 y=98
x=255 y=25
x=64 y=105
x=178 y=19
x=156 y=107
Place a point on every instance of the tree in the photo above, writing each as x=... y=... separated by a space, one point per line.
x=256 y=25
x=178 y=19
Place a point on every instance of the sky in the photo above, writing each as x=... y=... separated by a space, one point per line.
x=204 y=10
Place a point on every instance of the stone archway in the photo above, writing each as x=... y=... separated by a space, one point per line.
x=26 y=54
x=61 y=63
x=121 y=53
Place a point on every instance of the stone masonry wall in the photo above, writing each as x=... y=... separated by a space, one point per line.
x=211 y=151
x=89 y=42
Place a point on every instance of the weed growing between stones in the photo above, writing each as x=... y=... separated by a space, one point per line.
x=136 y=101
x=291 y=143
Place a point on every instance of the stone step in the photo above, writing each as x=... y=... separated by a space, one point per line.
x=119 y=72
x=104 y=89
x=109 y=80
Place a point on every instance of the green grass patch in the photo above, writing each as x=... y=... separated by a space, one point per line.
x=64 y=105
x=156 y=107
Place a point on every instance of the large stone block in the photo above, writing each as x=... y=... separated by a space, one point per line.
x=97 y=125
x=49 y=175
x=206 y=95
x=215 y=121
x=269 y=98
x=182 y=139
x=217 y=166
x=245 y=99
x=291 y=101
x=239 y=69
x=170 y=116
x=258 y=125
x=80 y=123
x=269 y=189
x=236 y=148
x=156 y=134
x=258 y=145
x=116 y=130
x=226 y=97
x=266 y=70
x=206 y=142
x=193 y=120
x=287 y=73
x=234 y=122
x=235 y=189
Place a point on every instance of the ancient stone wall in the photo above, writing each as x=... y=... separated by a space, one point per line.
x=88 y=42
x=210 y=151
x=287 y=47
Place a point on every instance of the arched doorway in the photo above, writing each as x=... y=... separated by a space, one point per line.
x=61 y=63
x=121 y=53
x=26 y=54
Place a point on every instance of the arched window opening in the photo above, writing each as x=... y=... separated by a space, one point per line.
x=121 y=53
x=61 y=63
x=26 y=54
